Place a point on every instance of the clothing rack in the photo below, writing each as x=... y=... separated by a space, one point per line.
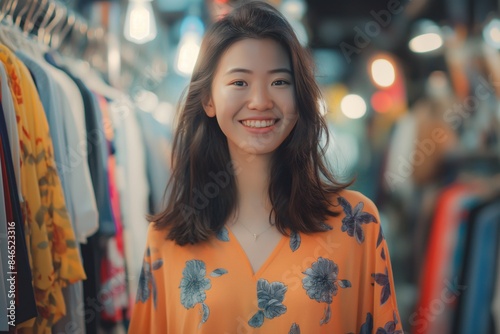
x=69 y=103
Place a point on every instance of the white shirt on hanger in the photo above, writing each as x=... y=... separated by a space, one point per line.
x=133 y=185
x=82 y=193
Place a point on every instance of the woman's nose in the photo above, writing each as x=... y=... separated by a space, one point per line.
x=260 y=99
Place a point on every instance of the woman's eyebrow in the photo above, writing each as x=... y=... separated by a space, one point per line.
x=280 y=70
x=244 y=70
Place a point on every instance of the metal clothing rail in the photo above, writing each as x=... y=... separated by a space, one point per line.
x=50 y=22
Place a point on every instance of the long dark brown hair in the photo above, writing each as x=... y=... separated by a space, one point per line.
x=202 y=193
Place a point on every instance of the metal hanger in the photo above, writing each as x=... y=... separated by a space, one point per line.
x=19 y=16
x=48 y=14
x=56 y=35
x=35 y=11
x=66 y=26
x=77 y=36
x=6 y=33
x=5 y=9
x=60 y=12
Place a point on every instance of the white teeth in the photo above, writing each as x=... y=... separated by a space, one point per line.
x=258 y=124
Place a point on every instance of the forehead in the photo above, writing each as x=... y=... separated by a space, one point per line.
x=255 y=55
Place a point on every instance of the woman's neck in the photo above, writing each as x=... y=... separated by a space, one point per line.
x=252 y=175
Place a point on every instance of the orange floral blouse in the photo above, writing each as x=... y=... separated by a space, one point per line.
x=337 y=281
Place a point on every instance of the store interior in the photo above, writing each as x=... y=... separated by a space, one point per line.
x=411 y=94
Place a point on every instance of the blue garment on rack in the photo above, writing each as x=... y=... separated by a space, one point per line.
x=467 y=204
x=481 y=272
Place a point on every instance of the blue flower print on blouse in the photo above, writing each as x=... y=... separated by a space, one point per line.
x=294 y=241
x=379 y=241
x=390 y=327
x=147 y=283
x=383 y=280
x=354 y=219
x=380 y=236
x=222 y=234
x=194 y=283
x=326 y=227
x=270 y=301
x=367 y=327
x=321 y=284
x=295 y=329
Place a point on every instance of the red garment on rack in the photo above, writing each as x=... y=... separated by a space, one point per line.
x=437 y=290
x=6 y=190
x=113 y=274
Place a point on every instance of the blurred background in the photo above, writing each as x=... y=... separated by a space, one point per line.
x=411 y=94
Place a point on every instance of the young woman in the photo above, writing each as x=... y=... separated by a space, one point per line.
x=257 y=235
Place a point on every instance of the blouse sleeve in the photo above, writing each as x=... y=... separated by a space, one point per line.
x=149 y=312
x=381 y=315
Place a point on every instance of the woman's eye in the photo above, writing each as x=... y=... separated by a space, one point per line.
x=239 y=83
x=280 y=83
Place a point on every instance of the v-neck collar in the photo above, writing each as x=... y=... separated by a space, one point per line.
x=267 y=262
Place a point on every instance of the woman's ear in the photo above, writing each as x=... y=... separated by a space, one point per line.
x=208 y=106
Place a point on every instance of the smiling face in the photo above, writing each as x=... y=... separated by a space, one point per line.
x=252 y=96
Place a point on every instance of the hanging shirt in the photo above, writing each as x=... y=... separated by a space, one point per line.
x=338 y=281
x=158 y=140
x=60 y=97
x=113 y=275
x=443 y=262
x=51 y=240
x=132 y=183
x=97 y=152
x=480 y=275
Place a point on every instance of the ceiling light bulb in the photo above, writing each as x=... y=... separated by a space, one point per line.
x=383 y=72
x=140 y=25
x=353 y=106
x=426 y=43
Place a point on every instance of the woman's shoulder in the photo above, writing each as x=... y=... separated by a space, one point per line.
x=157 y=236
x=350 y=199
x=357 y=218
